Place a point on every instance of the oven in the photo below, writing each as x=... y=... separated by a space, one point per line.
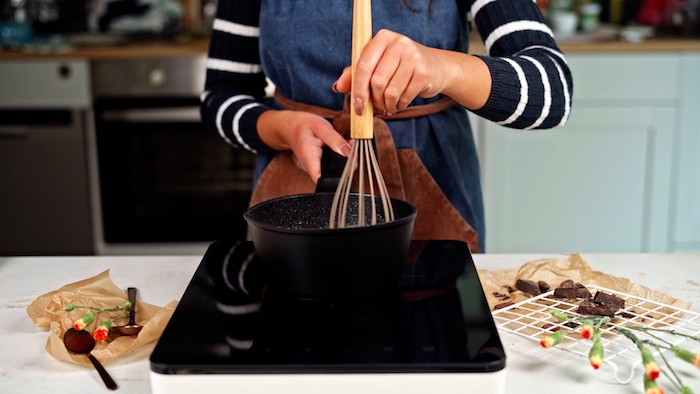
x=165 y=184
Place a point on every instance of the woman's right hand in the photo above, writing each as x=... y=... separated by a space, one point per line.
x=304 y=134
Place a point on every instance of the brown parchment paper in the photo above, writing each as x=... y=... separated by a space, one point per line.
x=554 y=271
x=99 y=291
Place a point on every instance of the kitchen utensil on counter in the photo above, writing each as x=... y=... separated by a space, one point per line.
x=300 y=255
x=82 y=342
x=362 y=156
x=131 y=328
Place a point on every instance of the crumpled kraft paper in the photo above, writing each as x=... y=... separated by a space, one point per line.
x=555 y=271
x=98 y=291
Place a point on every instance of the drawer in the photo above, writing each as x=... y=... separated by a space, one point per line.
x=45 y=83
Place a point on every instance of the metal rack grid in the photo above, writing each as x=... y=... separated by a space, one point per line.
x=531 y=319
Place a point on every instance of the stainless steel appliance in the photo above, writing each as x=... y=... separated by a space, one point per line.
x=44 y=198
x=166 y=184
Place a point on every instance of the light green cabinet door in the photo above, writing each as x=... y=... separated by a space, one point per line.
x=600 y=184
x=685 y=211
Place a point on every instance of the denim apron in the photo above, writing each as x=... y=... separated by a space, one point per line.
x=435 y=155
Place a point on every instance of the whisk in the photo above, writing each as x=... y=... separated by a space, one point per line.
x=362 y=156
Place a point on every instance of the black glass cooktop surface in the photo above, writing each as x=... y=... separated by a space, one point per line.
x=228 y=321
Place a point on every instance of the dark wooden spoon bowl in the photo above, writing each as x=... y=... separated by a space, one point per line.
x=82 y=342
x=131 y=328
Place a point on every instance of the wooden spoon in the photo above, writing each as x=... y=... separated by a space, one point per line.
x=130 y=328
x=82 y=342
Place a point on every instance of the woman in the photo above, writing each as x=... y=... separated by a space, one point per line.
x=417 y=59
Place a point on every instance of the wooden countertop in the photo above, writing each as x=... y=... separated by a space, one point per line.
x=200 y=46
x=139 y=49
x=656 y=45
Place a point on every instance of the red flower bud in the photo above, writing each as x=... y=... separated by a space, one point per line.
x=595 y=355
x=652 y=369
x=552 y=339
x=650 y=386
x=587 y=330
x=102 y=331
x=687 y=355
x=84 y=321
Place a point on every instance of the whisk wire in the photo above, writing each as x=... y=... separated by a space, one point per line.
x=383 y=191
x=363 y=159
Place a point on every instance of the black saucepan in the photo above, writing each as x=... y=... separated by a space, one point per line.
x=301 y=256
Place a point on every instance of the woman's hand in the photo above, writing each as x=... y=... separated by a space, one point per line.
x=393 y=70
x=304 y=133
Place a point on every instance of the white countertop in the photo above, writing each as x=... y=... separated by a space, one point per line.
x=25 y=367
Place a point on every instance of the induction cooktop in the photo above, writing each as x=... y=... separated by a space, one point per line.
x=233 y=333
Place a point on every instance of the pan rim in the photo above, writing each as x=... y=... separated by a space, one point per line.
x=327 y=231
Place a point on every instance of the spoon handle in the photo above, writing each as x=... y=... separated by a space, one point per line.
x=131 y=291
x=109 y=382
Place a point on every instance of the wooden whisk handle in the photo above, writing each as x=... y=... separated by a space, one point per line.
x=361 y=126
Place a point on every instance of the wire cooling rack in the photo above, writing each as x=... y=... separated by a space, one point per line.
x=531 y=319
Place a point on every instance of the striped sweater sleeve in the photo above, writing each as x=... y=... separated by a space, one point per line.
x=235 y=84
x=532 y=83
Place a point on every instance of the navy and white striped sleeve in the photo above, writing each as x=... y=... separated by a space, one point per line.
x=532 y=83
x=235 y=84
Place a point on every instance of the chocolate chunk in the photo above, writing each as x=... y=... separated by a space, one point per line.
x=627 y=315
x=544 y=286
x=567 y=283
x=610 y=300
x=589 y=307
x=572 y=292
x=502 y=305
x=550 y=327
x=527 y=286
x=509 y=288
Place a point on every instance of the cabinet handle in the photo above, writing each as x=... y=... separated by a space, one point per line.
x=7 y=133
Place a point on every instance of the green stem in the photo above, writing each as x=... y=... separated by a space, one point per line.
x=99 y=310
x=630 y=335
x=671 y=332
x=118 y=317
x=677 y=382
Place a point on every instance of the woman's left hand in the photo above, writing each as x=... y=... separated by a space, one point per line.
x=397 y=69
x=393 y=70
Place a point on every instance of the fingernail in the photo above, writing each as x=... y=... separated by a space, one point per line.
x=345 y=149
x=335 y=86
x=359 y=106
x=388 y=113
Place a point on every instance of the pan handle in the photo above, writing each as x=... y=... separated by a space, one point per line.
x=332 y=165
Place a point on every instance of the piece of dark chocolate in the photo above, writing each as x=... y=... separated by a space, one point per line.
x=544 y=286
x=610 y=300
x=527 y=286
x=567 y=283
x=627 y=315
x=502 y=305
x=572 y=292
x=591 y=308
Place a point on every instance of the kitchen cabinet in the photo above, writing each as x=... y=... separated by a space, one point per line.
x=684 y=232
x=605 y=182
x=44 y=198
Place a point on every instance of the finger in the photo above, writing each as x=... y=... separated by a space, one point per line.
x=385 y=72
x=335 y=141
x=411 y=91
x=363 y=72
x=308 y=157
x=344 y=83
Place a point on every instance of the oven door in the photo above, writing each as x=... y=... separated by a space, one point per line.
x=164 y=178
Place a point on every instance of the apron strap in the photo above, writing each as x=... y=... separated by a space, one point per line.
x=341 y=119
